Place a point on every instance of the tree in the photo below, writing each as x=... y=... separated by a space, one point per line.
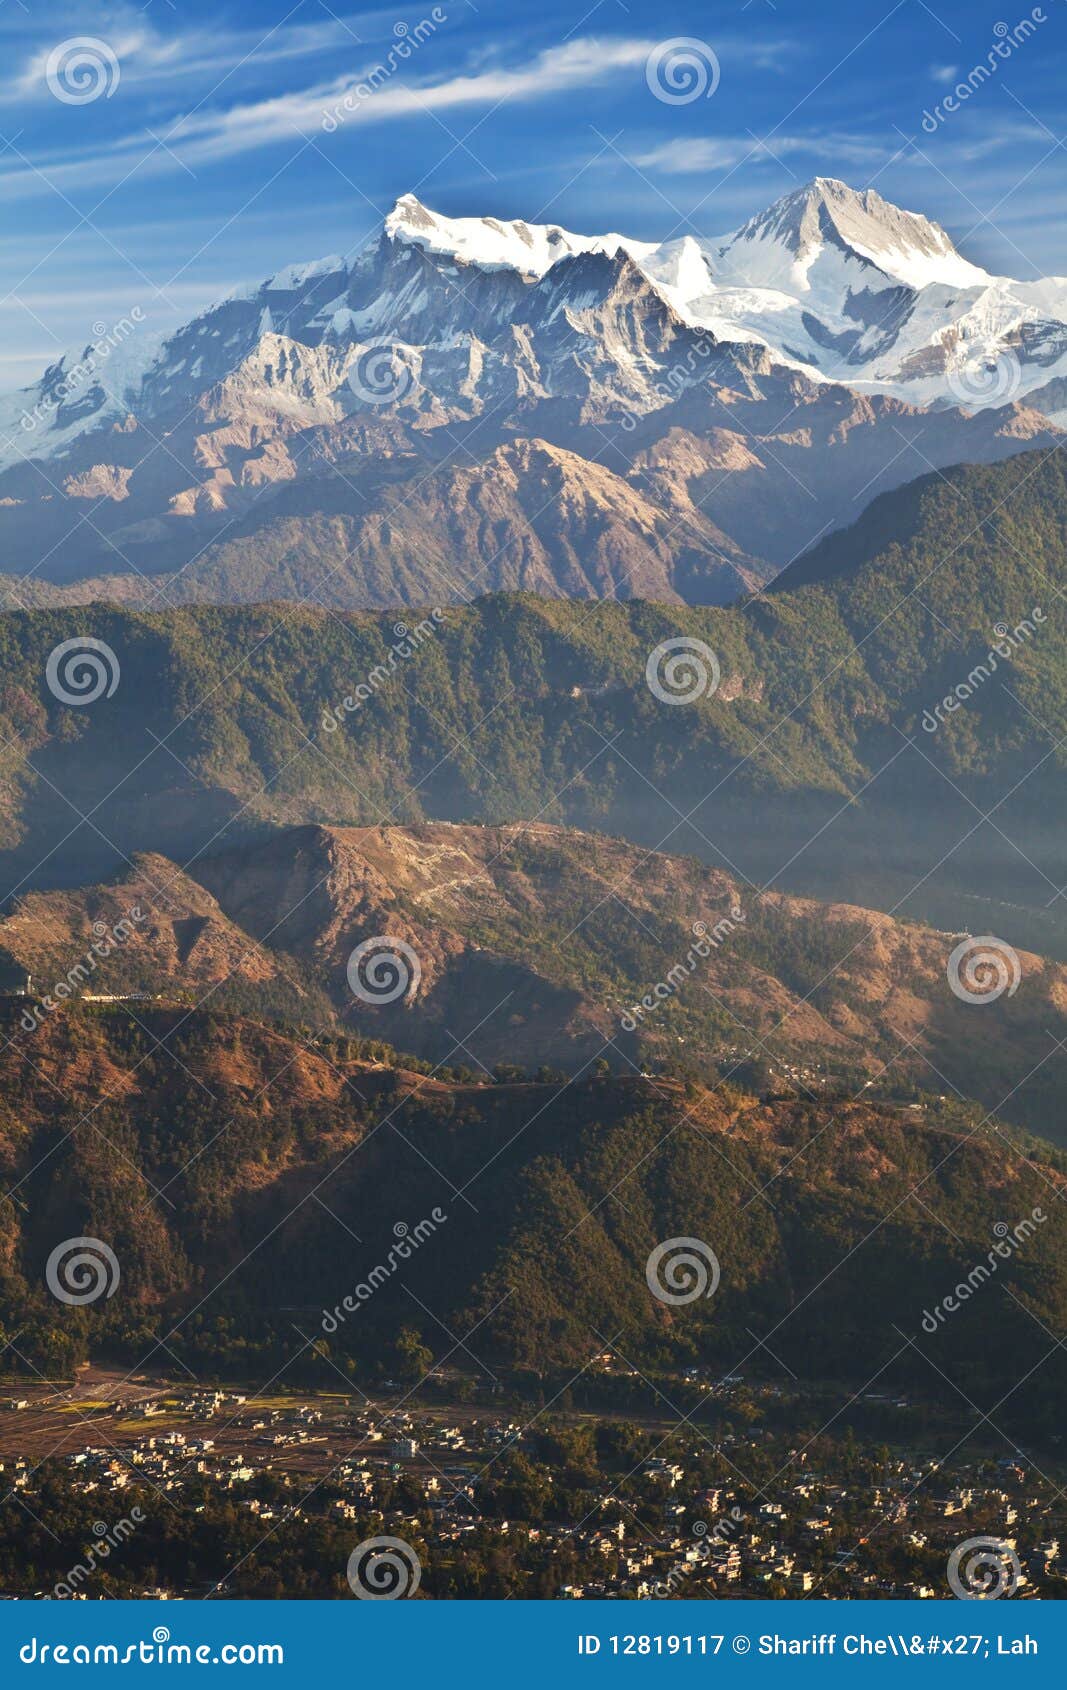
x=413 y=1359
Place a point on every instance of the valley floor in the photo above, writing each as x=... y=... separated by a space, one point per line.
x=146 y=1486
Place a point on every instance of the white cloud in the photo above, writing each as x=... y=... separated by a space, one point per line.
x=210 y=134
x=578 y=64
x=149 y=58
x=726 y=152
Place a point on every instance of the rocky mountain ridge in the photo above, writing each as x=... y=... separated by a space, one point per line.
x=471 y=406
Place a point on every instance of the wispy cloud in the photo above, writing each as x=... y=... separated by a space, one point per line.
x=582 y=63
x=211 y=134
x=702 y=155
x=725 y=152
x=150 y=58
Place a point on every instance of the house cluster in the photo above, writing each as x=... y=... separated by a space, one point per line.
x=814 y=1538
x=829 y=1523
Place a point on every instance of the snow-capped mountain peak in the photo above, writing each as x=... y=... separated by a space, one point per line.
x=831 y=281
x=826 y=215
x=529 y=248
x=719 y=373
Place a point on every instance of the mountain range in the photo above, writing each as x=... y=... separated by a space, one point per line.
x=273 y=785
x=472 y=406
x=680 y=967
x=810 y=768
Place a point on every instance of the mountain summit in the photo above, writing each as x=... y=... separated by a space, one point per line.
x=828 y=214
x=831 y=279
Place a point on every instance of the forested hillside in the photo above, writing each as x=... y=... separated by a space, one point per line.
x=198 y=1162
x=816 y=761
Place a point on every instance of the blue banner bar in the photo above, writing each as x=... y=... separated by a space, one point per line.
x=527 y=1644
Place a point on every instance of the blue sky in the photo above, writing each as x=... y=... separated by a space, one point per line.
x=205 y=159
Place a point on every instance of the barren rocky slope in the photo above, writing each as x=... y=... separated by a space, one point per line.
x=534 y=945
